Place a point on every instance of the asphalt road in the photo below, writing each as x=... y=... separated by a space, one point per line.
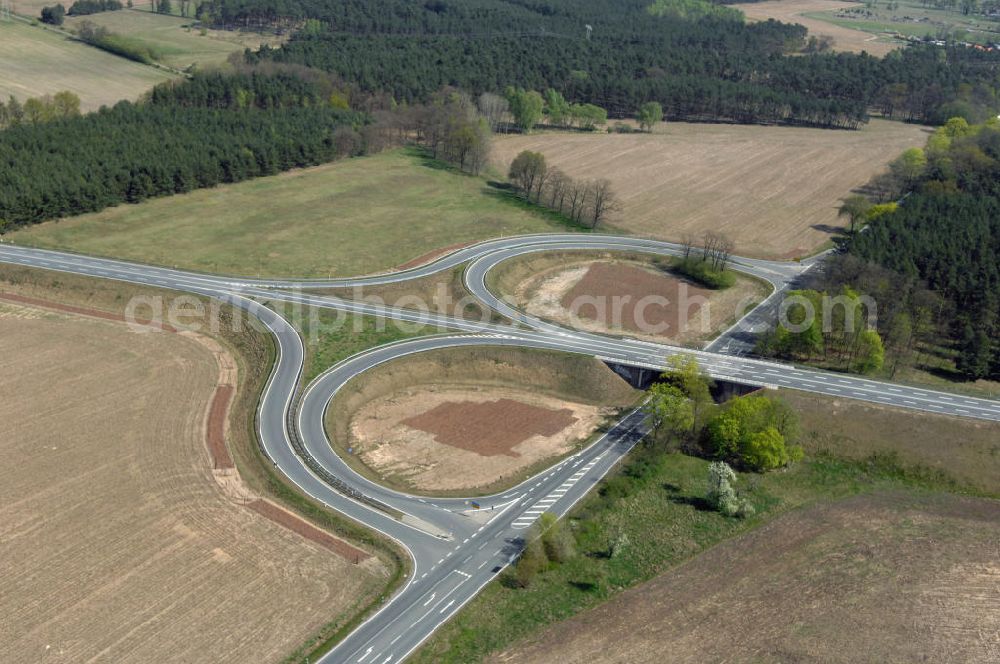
x=455 y=549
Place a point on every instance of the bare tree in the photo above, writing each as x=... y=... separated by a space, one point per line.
x=558 y=183
x=577 y=193
x=527 y=169
x=723 y=250
x=708 y=244
x=603 y=201
x=687 y=244
x=494 y=108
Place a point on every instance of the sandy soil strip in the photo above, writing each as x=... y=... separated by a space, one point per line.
x=302 y=527
x=215 y=436
x=430 y=256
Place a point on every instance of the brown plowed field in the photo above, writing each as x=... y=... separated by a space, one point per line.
x=612 y=294
x=624 y=296
x=118 y=542
x=883 y=578
x=464 y=438
x=490 y=427
x=773 y=190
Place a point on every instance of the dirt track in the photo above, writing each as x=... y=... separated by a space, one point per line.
x=772 y=190
x=118 y=543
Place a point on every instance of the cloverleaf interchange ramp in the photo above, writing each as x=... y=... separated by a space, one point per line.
x=456 y=552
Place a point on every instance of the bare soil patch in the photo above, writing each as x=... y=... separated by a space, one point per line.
x=139 y=551
x=844 y=39
x=281 y=516
x=367 y=423
x=883 y=578
x=491 y=427
x=773 y=190
x=431 y=256
x=630 y=285
x=622 y=295
x=442 y=448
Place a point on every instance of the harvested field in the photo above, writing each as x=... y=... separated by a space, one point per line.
x=844 y=39
x=624 y=295
x=773 y=190
x=877 y=578
x=967 y=451
x=465 y=438
x=141 y=547
x=37 y=62
x=371 y=418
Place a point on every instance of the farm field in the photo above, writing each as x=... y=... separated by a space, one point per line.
x=93 y=550
x=624 y=295
x=965 y=450
x=901 y=476
x=883 y=577
x=471 y=420
x=912 y=19
x=342 y=219
x=773 y=190
x=175 y=45
x=38 y=62
x=804 y=12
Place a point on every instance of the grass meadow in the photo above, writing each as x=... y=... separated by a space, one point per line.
x=346 y=218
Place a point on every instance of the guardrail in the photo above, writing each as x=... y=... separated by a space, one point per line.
x=334 y=482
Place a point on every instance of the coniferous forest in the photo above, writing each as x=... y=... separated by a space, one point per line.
x=199 y=133
x=708 y=68
x=946 y=236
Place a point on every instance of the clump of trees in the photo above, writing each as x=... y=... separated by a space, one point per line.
x=127 y=47
x=85 y=7
x=839 y=329
x=754 y=432
x=547 y=544
x=454 y=130
x=529 y=107
x=586 y=202
x=53 y=15
x=650 y=114
x=37 y=110
x=706 y=261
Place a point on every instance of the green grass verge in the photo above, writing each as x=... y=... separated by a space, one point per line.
x=332 y=336
x=342 y=219
x=657 y=502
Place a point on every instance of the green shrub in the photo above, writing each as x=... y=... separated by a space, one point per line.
x=702 y=272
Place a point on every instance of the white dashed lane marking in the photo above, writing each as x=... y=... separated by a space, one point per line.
x=529 y=515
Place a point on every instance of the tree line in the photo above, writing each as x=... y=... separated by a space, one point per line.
x=197 y=133
x=37 y=110
x=932 y=262
x=946 y=234
x=586 y=202
x=704 y=68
